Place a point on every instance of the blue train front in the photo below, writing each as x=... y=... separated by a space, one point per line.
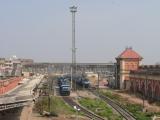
x=64 y=86
x=84 y=82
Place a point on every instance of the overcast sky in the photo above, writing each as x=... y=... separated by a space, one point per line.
x=41 y=29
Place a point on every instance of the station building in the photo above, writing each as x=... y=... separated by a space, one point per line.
x=141 y=79
x=127 y=61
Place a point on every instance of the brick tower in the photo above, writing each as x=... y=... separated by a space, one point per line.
x=128 y=60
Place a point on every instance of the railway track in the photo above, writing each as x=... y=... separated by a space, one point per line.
x=127 y=115
x=87 y=113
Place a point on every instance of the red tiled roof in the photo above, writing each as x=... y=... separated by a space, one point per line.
x=129 y=53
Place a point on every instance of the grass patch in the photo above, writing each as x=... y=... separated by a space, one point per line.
x=135 y=109
x=99 y=107
x=137 y=112
x=55 y=106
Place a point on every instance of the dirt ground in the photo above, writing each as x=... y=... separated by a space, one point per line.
x=82 y=93
x=26 y=112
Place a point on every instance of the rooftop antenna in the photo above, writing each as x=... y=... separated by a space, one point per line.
x=73 y=10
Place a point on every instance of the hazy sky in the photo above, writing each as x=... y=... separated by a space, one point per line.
x=41 y=29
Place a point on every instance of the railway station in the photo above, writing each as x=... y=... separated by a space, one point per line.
x=132 y=75
x=128 y=74
x=64 y=60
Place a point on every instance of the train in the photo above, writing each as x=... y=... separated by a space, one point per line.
x=83 y=82
x=64 y=86
x=64 y=83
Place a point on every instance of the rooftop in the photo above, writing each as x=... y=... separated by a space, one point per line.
x=129 y=53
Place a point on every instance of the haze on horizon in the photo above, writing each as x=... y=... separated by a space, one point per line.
x=41 y=29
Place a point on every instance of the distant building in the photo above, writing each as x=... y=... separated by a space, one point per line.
x=13 y=66
x=128 y=60
x=2 y=61
x=26 y=61
x=2 y=64
x=8 y=67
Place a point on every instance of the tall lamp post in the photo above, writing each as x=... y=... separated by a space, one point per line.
x=98 y=82
x=73 y=10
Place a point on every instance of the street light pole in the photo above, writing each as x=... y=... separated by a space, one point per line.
x=71 y=77
x=73 y=10
x=98 y=83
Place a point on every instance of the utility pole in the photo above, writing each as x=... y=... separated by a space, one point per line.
x=73 y=10
x=145 y=89
x=98 y=82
